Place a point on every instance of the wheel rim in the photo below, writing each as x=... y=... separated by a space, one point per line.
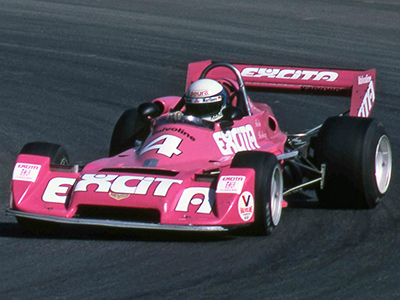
x=383 y=164
x=276 y=195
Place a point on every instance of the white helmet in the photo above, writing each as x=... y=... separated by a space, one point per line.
x=205 y=98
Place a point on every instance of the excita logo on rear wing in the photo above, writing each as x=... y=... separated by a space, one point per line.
x=293 y=74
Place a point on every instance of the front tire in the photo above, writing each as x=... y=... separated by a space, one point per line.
x=56 y=153
x=358 y=159
x=268 y=189
x=58 y=156
x=129 y=129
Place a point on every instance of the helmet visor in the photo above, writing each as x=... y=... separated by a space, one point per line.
x=203 y=109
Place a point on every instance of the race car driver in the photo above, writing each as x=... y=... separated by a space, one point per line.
x=205 y=98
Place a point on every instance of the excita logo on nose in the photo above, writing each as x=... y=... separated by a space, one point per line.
x=56 y=190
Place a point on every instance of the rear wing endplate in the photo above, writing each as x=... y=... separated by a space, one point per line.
x=360 y=84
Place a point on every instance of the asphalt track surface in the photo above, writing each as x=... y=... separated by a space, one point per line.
x=69 y=68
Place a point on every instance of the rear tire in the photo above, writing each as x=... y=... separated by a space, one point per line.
x=268 y=189
x=358 y=159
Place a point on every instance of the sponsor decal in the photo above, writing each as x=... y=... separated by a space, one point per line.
x=116 y=186
x=204 y=100
x=177 y=130
x=26 y=172
x=199 y=93
x=117 y=196
x=317 y=89
x=246 y=206
x=166 y=145
x=368 y=101
x=236 y=139
x=290 y=74
x=202 y=197
x=262 y=135
x=230 y=184
x=364 y=79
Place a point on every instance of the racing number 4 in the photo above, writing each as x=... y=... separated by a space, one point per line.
x=168 y=146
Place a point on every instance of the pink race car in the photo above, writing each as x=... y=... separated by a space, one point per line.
x=213 y=160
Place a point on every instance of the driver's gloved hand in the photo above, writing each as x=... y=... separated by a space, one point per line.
x=175 y=116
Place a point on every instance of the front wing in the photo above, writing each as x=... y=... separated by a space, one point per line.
x=114 y=223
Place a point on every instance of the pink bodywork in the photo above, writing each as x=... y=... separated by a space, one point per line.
x=181 y=153
x=172 y=172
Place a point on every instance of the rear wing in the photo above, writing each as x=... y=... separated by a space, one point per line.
x=359 y=84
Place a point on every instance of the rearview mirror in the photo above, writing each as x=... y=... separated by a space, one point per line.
x=149 y=110
x=232 y=113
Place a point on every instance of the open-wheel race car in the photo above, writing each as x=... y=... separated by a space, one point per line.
x=213 y=160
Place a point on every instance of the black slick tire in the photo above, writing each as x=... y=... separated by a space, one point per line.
x=129 y=129
x=358 y=160
x=268 y=189
x=56 y=153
